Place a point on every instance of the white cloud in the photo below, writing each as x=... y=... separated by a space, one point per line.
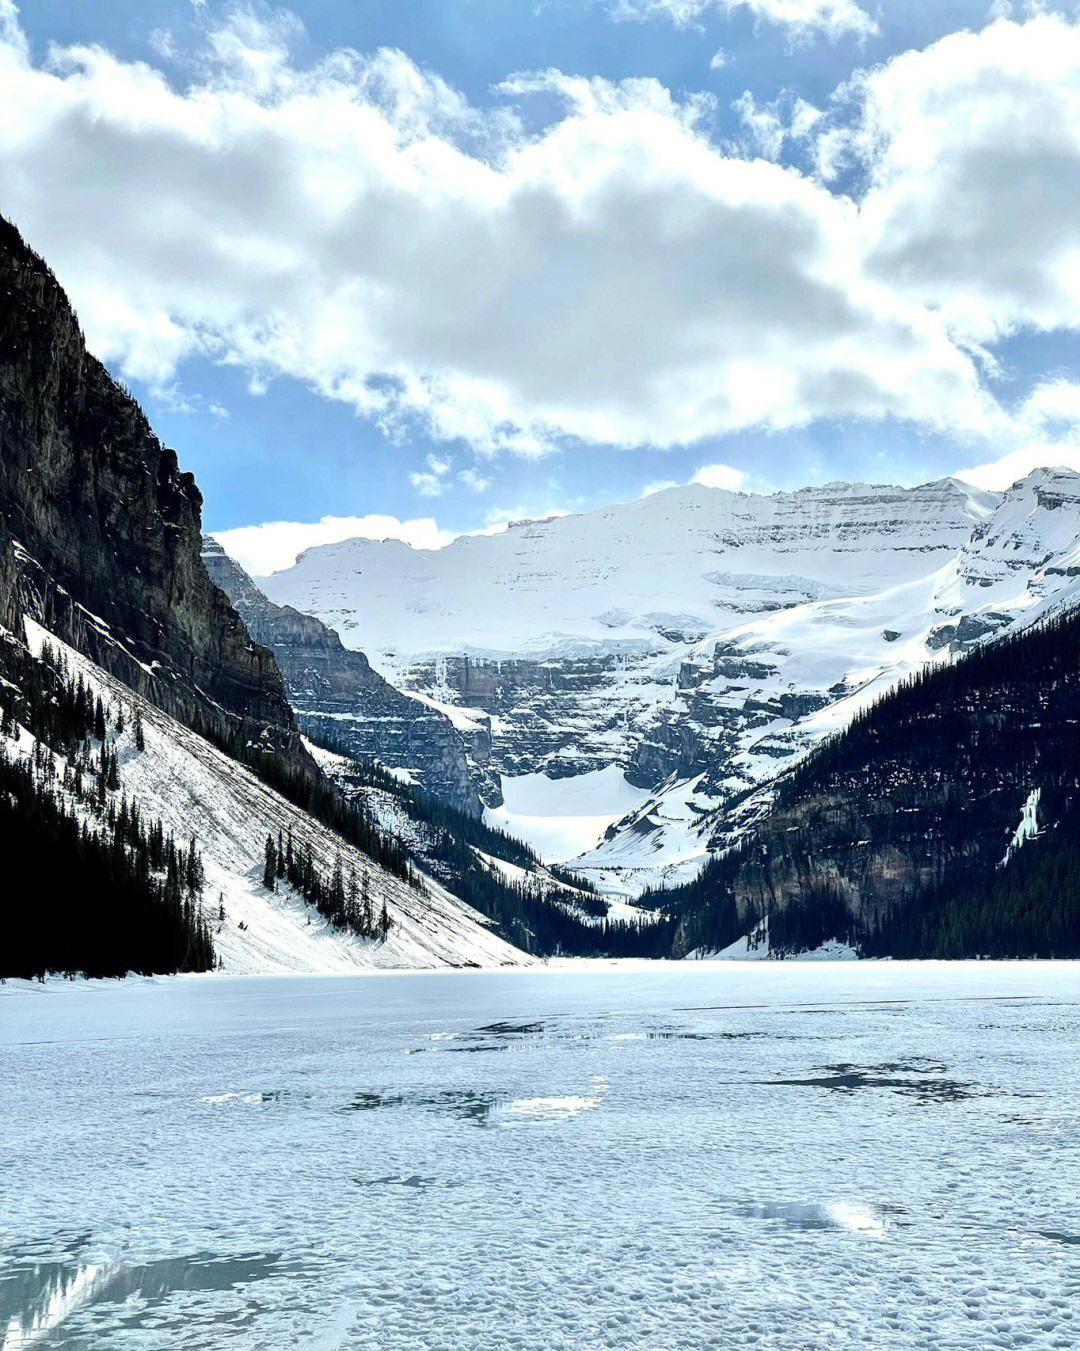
x=612 y=277
x=1047 y=425
x=801 y=18
x=972 y=148
x=267 y=548
x=427 y=485
x=659 y=485
x=720 y=476
x=998 y=475
x=432 y=482
x=474 y=480
x=718 y=60
x=770 y=125
x=763 y=124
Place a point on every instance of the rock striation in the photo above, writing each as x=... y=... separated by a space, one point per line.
x=339 y=700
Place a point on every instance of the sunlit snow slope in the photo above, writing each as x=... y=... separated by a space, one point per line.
x=194 y=789
x=696 y=639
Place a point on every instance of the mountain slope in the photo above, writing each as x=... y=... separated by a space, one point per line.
x=197 y=792
x=100 y=559
x=338 y=697
x=695 y=641
x=945 y=821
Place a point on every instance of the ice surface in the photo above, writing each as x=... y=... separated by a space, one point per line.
x=701 y=1155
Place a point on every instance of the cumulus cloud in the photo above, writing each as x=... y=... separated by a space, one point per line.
x=427 y=485
x=972 y=153
x=267 y=548
x=432 y=482
x=612 y=276
x=801 y=18
x=720 y=476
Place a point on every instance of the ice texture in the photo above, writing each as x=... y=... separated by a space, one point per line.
x=704 y=1155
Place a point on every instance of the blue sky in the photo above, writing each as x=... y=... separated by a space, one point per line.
x=444 y=263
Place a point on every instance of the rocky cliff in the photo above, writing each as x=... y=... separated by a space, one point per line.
x=926 y=804
x=697 y=639
x=339 y=699
x=100 y=534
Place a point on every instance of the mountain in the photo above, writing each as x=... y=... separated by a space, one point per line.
x=146 y=741
x=943 y=822
x=645 y=666
x=100 y=534
x=337 y=697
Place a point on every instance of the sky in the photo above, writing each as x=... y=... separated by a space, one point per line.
x=419 y=267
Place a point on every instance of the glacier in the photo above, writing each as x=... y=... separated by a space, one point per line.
x=695 y=641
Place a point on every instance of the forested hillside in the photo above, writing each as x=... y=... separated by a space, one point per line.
x=544 y=911
x=92 y=886
x=942 y=823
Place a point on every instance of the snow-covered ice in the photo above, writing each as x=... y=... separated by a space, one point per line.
x=698 y=1155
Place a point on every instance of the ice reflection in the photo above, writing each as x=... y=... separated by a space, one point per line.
x=38 y=1298
x=872 y=1221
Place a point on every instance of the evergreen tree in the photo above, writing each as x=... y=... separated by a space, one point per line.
x=269 y=879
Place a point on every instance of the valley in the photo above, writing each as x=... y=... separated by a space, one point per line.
x=685 y=648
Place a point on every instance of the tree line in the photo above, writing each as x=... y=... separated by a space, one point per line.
x=338 y=898
x=92 y=886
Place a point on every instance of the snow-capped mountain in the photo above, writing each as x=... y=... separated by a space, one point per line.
x=696 y=639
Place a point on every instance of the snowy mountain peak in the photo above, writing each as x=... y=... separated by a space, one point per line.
x=695 y=639
x=676 y=564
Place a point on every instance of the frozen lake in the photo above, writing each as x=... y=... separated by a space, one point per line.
x=665 y=1157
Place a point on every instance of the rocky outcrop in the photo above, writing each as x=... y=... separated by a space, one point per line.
x=100 y=534
x=340 y=700
x=874 y=857
x=556 y=713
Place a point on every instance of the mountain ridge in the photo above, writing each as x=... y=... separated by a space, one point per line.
x=698 y=639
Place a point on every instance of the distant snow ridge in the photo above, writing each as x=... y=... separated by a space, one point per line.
x=196 y=790
x=697 y=640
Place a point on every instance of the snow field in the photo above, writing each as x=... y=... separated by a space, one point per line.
x=607 y=1155
x=194 y=789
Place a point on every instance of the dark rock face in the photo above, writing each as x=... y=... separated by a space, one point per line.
x=337 y=697
x=923 y=794
x=873 y=856
x=100 y=534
